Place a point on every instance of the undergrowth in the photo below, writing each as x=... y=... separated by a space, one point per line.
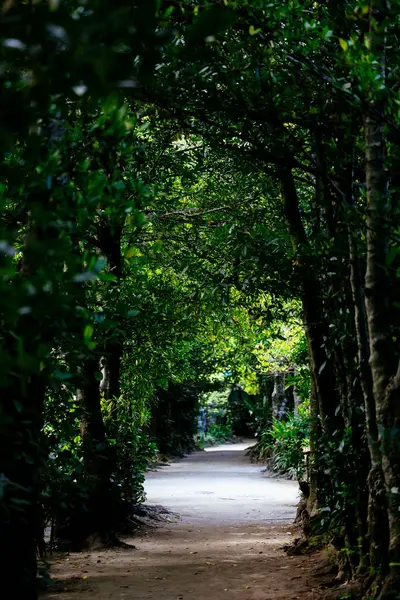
x=282 y=444
x=218 y=433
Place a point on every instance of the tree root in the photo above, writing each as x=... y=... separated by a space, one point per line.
x=391 y=588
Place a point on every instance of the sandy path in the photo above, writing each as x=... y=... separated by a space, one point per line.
x=227 y=543
x=220 y=486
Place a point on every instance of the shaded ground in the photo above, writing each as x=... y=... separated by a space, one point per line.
x=227 y=543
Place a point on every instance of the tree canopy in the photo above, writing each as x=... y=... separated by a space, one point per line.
x=193 y=193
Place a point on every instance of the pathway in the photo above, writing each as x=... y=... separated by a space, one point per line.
x=221 y=486
x=226 y=545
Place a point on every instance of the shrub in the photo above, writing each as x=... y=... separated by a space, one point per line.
x=282 y=445
x=218 y=433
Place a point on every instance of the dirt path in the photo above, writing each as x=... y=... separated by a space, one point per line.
x=221 y=486
x=227 y=543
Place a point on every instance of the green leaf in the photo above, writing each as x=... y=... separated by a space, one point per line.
x=88 y=334
x=343 y=44
x=119 y=185
x=253 y=31
x=107 y=277
x=168 y=12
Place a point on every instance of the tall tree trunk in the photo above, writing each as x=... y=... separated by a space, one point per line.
x=378 y=534
x=384 y=354
x=357 y=460
x=111 y=370
x=325 y=414
x=20 y=460
x=95 y=521
x=355 y=465
x=313 y=468
x=313 y=314
x=93 y=434
x=110 y=243
x=27 y=344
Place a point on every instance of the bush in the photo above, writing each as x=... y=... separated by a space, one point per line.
x=218 y=433
x=282 y=445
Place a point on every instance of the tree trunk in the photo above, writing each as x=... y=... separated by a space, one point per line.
x=266 y=386
x=281 y=400
x=96 y=463
x=296 y=402
x=313 y=468
x=19 y=468
x=110 y=386
x=355 y=465
x=26 y=344
x=95 y=520
x=378 y=534
x=325 y=414
x=311 y=296
x=384 y=354
x=110 y=243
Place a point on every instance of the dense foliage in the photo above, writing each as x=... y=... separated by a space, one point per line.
x=183 y=184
